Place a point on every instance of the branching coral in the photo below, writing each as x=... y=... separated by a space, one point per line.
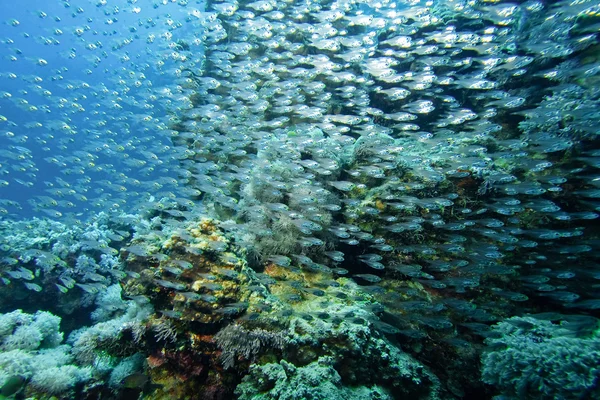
x=164 y=331
x=536 y=359
x=236 y=341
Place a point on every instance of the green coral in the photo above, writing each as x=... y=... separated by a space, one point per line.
x=536 y=359
x=316 y=381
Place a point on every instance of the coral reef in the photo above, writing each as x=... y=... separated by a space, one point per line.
x=235 y=341
x=31 y=349
x=59 y=264
x=531 y=358
x=304 y=199
x=119 y=323
x=315 y=381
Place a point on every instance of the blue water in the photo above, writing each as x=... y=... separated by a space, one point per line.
x=103 y=27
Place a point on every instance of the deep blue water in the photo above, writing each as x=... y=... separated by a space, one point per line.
x=103 y=26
